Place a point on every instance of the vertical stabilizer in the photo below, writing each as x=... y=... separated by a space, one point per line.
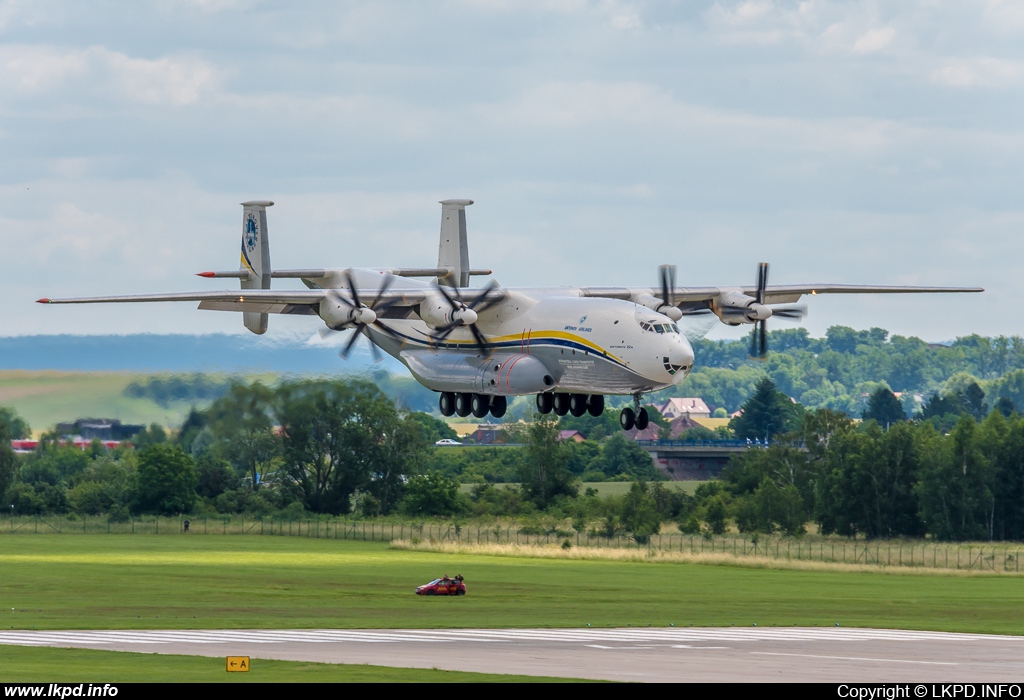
x=255 y=258
x=453 y=253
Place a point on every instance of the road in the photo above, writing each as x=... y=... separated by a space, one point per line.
x=750 y=654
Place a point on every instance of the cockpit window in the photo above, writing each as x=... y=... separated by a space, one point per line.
x=659 y=327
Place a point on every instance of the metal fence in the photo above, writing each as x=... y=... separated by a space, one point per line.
x=974 y=556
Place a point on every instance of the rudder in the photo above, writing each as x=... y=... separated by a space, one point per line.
x=453 y=251
x=255 y=258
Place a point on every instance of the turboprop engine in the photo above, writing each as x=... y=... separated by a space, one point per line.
x=735 y=308
x=339 y=314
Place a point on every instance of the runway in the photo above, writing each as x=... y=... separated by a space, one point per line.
x=750 y=654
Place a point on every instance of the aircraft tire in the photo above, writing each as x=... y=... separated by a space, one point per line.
x=595 y=406
x=463 y=405
x=578 y=404
x=642 y=419
x=545 y=402
x=446 y=403
x=480 y=404
x=627 y=419
x=561 y=404
x=499 y=404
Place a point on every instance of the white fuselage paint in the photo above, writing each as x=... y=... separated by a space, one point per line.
x=589 y=345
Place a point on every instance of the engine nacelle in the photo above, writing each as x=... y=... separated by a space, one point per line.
x=339 y=315
x=436 y=312
x=655 y=304
x=734 y=308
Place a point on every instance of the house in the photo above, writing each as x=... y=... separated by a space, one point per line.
x=690 y=407
x=573 y=435
x=489 y=434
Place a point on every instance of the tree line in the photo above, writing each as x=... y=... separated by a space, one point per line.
x=305 y=447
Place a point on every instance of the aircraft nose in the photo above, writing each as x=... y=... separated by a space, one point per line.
x=680 y=358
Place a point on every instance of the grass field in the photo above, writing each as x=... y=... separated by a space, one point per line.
x=45 y=398
x=159 y=582
x=42 y=664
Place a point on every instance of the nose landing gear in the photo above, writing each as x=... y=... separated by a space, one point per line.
x=635 y=417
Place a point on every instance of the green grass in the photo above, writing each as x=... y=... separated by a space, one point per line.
x=159 y=582
x=43 y=664
x=45 y=398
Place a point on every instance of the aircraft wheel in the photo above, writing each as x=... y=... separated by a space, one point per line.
x=578 y=404
x=545 y=402
x=446 y=403
x=499 y=404
x=463 y=404
x=596 y=405
x=480 y=404
x=561 y=404
x=642 y=419
x=627 y=419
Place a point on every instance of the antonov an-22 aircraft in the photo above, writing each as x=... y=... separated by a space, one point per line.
x=569 y=346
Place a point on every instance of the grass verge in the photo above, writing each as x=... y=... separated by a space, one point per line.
x=50 y=665
x=640 y=555
x=180 y=582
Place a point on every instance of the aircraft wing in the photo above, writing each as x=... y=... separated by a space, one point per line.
x=303 y=302
x=774 y=294
x=788 y=293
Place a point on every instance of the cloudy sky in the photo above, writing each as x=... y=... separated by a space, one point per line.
x=854 y=142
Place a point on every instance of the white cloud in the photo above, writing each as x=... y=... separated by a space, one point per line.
x=980 y=71
x=874 y=40
x=33 y=71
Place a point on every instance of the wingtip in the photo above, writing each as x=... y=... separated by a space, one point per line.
x=205 y=274
x=44 y=300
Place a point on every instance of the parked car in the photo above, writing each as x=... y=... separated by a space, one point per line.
x=443 y=586
x=447 y=441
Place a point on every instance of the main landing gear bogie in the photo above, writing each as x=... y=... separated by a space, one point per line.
x=572 y=404
x=463 y=404
x=630 y=419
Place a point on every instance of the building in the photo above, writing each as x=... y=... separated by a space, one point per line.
x=689 y=407
x=102 y=428
x=572 y=435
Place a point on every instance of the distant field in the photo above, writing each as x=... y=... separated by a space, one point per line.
x=46 y=397
x=214 y=581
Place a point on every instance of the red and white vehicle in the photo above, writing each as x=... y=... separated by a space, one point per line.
x=443 y=586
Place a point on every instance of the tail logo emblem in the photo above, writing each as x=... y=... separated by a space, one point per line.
x=251 y=232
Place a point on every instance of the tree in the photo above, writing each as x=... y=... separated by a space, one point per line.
x=166 y=480
x=343 y=437
x=640 y=512
x=214 y=476
x=432 y=429
x=953 y=489
x=767 y=413
x=241 y=421
x=884 y=408
x=544 y=473
x=13 y=425
x=8 y=460
x=431 y=494
x=622 y=456
x=715 y=515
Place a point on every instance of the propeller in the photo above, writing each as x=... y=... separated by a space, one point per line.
x=363 y=316
x=667 y=273
x=467 y=314
x=759 y=335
